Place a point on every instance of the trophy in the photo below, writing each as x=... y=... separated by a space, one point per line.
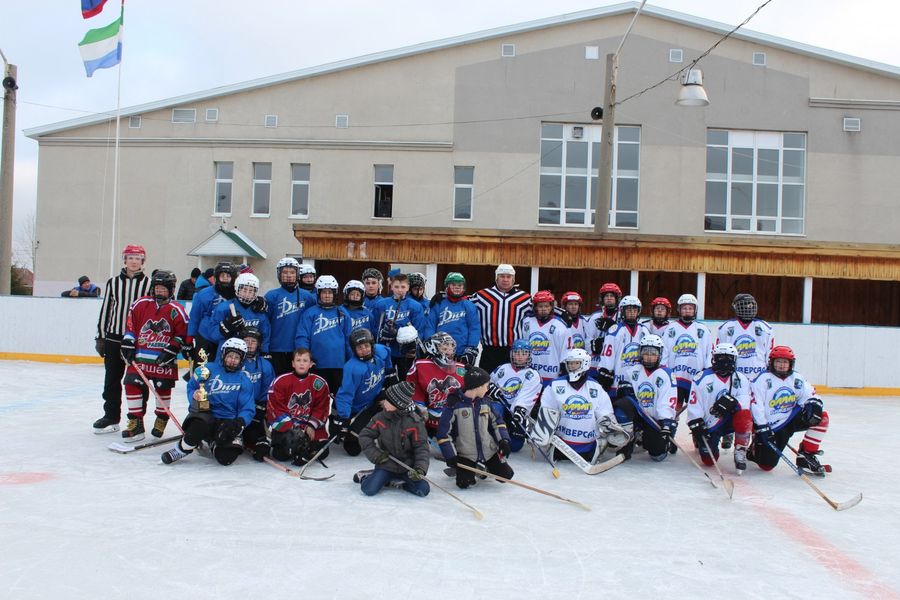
x=201 y=374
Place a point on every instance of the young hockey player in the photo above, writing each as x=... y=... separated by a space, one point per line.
x=471 y=433
x=548 y=335
x=501 y=309
x=658 y=323
x=325 y=329
x=577 y=410
x=390 y=314
x=520 y=386
x=373 y=281
x=417 y=290
x=249 y=310
x=367 y=372
x=783 y=404
x=435 y=377
x=571 y=302
x=229 y=394
x=688 y=346
x=620 y=345
x=720 y=404
x=155 y=332
x=201 y=327
x=261 y=375
x=599 y=323
x=396 y=431
x=360 y=316
x=308 y=278
x=285 y=305
x=452 y=312
x=297 y=411
x=120 y=293
x=646 y=400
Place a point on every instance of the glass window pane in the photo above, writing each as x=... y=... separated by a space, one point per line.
x=262 y=170
x=574 y=217
x=593 y=196
x=792 y=201
x=384 y=197
x=716 y=195
x=767 y=200
x=714 y=223
x=595 y=156
x=628 y=161
x=717 y=137
x=740 y=224
x=792 y=226
x=463 y=175
x=741 y=198
x=300 y=172
x=717 y=163
x=224 y=170
x=552 y=130
x=576 y=192
x=551 y=156
x=261 y=198
x=767 y=165
x=384 y=173
x=223 y=197
x=548 y=217
x=576 y=156
x=742 y=164
x=795 y=140
x=551 y=188
x=626 y=219
x=626 y=194
x=300 y=200
x=629 y=134
x=765 y=225
x=793 y=165
x=462 y=203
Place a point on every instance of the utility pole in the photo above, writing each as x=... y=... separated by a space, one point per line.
x=607 y=145
x=7 y=160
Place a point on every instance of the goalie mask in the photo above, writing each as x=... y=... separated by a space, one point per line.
x=745 y=307
x=520 y=354
x=578 y=361
x=441 y=348
x=724 y=359
x=651 y=351
x=246 y=288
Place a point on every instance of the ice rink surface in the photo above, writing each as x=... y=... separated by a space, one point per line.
x=78 y=521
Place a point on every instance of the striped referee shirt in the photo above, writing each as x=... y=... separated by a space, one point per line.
x=121 y=292
x=501 y=314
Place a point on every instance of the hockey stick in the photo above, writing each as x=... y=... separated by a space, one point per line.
x=317 y=455
x=126 y=449
x=292 y=472
x=158 y=397
x=478 y=514
x=726 y=483
x=691 y=458
x=528 y=439
x=581 y=463
x=522 y=485
x=835 y=505
x=827 y=468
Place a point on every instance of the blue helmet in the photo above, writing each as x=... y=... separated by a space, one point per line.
x=520 y=349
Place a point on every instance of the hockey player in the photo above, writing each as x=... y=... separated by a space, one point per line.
x=620 y=345
x=548 y=335
x=155 y=332
x=501 y=309
x=246 y=309
x=599 y=323
x=519 y=385
x=120 y=293
x=396 y=431
x=201 y=327
x=571 y=302
x=325 y=329
x=367 y=372
x=783 y=404
x=688 y=346
x=435 y=377
x=261 y=375
x=308 y=278
x=646 y=400
x=373 y=280
x=360 y=316
x=454 y=313
x=285 y=305
x=231 y=408
x=752 y=337
x=719 y=405
x=390 y=314
x=297 y=411
x=576 y=409
x=471 y=433
x=417 y=290
x=658 y=323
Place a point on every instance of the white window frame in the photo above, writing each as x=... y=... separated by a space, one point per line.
x=759 y=59
x=267 y=185
x=757 y=140
x=188 y=115
x=134 y=122
x=298 y=183
x=463 y=186
x=270 y=121
x=217 y=181
x=676 y=55
x=342 y=121
x=852 y=124
x=507 y=50
x=592 y=53
x=376 y=189
x=211 y=115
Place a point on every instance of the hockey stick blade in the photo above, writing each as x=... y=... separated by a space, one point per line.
x=127 y=449
x=581 y=463
x=848 y=504
x=293 y=473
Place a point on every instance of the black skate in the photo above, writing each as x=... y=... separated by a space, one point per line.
x=727 y=441
x=159 y=426
x=105 y=425
x=809 y=463
x=175 y=454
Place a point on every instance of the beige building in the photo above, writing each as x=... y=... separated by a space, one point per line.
x=469 y=151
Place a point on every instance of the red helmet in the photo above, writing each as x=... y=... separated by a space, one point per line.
x=782 y=352
x=664 y=301
x=610 y=288
x=543 y=296
x=571 y=297
x=134 y=250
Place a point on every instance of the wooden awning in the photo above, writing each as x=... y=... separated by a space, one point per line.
x=758 y=256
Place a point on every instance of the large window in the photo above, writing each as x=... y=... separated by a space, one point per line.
x=384 y=191
x=570 y=157
x=224 y=181
x=463 y=180
x=755 y=182
x=300 y=191
x=262 y=189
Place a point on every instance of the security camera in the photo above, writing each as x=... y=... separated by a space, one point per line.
x=9 y=83
x=597 y=113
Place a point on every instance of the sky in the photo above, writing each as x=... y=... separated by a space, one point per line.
x=175 y=47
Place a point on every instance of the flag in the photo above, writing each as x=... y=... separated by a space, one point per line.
x=102 y=48
x=91 y=8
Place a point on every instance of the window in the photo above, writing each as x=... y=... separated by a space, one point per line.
x=212 y=115
x=224 y=180
x=384 y=191
x=570 y=158
x=759 y=59
x=850 y=123
x=184 y=115
x=507 y=50
x=262 y=189
x=134 y=122
x=300 y=191
x=592 y=52
x=676 y=55
x=271 y=121
x=342 y=121
x=755 y=182
x=463 y=178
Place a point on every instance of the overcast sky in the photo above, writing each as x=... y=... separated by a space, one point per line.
x=174 y=47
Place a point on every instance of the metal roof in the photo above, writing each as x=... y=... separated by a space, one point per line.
x=480 y=36
x=228 y=243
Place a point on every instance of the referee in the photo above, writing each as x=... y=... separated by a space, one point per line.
x=501 y=309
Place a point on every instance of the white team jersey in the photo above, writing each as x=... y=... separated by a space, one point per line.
x=657 y=330
x=580 y=410
x=621 y=348
x=655 y=391
x=521 y=387
x=706 y=389
x=776 y=400
x=578 y=333
x=753 y=341
x=592 y=332
x=688 y=350
x=549 y=343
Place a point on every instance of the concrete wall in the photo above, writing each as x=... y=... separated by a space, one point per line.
x=835 y=356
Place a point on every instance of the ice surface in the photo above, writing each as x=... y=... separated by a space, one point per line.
x=78 y=521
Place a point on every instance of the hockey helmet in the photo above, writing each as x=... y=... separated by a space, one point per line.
x=504 y=269
x=660 y=301
x=360 y=336
x=745 y=307
x=610 y=288
x=288 y=262
x=571 y=297
x=233 y=345
x=520 y=354
x=786 y=353
x=578 y=361
x=441 y=348
x=543 y=296
x=252 y=332
x=417 y=280
x=724 y=359
x=134 y=250
x=651 y=346
x=372 y=273
x=454 y=277
x=687 y=300
x=246 y=288
x=164 y=278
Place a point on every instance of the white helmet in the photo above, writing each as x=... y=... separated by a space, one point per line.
x=651 y=341
x=407 y=334
x=583 y=360
x=629 y=301
x=288 y=261
x=327 y=282
x=353 y=284
x=505 y=269
x=306 y=269
x=234 y=345
x=246 y=287
x=725 y=348
x=687 y=299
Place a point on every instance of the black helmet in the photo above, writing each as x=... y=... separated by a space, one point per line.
x=361 y=335
x=226 y=290
x=164 y=278
x=252 y=331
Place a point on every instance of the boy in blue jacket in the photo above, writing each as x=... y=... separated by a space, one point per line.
x=261 y=375
x=285 y=304
x=249 y=311
x=453 y=313
x=325 y=329
x=360 y=316
x=390 y=314
x=200 y=325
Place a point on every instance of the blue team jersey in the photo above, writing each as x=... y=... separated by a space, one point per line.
x=359 y=317
x=251 y=319
x=261 y=375
x=230 y=393
x=459 y=319
x=405 y=312
x=325 y=332
x=202 y=306
x=363 y=381
x=369 y=301
x=285 y=308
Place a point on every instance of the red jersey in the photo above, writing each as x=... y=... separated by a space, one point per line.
x=305 y=399
x=432 y=384
x=154 y=326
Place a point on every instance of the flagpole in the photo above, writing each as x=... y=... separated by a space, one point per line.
x=115 y=196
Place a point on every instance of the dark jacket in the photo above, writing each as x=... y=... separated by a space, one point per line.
x=185 y=290
x=402 y=435
x=92 y=292
x=469 y=428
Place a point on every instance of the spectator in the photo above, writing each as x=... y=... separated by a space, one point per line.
x=84 y=289
x=207 y=280
x=188 y=286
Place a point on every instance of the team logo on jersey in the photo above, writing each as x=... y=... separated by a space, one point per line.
x=392 y=314
x=577 y=407
x=758 y=331
x=286 y=307
x=318 y=384
x=593 y=393
x=783 y=400
x=529 y=374
x=323 y=323
x=646 y=395
x=360 y=322
x=373 y=379
x=539 y=343
x=449 y=316
x=630 y=354
x=439 y=390
x=560 y=389
x=254 y=376
x=511 y=387
x=578 y=341
x=299 y=403
x=709 y=388
x=746 y=346
x=798 y=385
x=671 y=332
x=154 y=334
x=685 y=345
x=659 y=382
x=217 y=386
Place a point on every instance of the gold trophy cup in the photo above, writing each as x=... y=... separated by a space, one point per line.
x=201 y=374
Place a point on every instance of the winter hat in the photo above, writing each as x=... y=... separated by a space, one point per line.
x=394 y=272
x=195 y=272
x=400 y=395
x=83 y=279
x=475 y=377
x=209 y=273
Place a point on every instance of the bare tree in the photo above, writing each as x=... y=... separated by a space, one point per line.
x=26 y=243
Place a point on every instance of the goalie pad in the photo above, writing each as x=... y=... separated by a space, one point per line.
x=544 y=427
x=615 y=435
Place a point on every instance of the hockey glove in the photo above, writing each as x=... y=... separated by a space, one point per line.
x=415 y=474
x=520 y=417
x=168 y=355
x=504 y=447
x=603 y=323
x=391 y=377
x=763 y=434
x=231 y=325
x=127 y=351
x=228 y=430
x=698 y=430
x=388 y=333
x=725 y=405
x=260 y=305
x=436 y=299
x=812 y=412
x=340 y=428
x=605 y=378
x=494 y=393
x=625 y=390
x=468 y=356
x=100 y=347
x=597 y=345
x=301 y=448
x=667 y=428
